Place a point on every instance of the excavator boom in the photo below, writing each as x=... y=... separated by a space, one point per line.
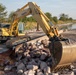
x=32 y=9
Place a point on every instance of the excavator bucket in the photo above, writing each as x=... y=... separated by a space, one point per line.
x=63 y=52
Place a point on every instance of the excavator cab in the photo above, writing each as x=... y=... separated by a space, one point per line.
x=20 y=28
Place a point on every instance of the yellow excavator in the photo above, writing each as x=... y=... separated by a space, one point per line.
x=11 y=30
x=8 y=31
x=62 y=51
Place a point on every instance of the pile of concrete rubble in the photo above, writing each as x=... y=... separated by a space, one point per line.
x=30 y=59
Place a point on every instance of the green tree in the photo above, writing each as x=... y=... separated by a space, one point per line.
x=70 y=19
x=55 y=19
x=31 y=19
x=11 y=16
x=48 y=15
x=24 y=19
x=63 y=17
x=3 y=13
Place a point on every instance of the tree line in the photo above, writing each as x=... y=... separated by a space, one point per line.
x=3 y=13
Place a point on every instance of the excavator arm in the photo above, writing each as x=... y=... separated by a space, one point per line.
x=32 y=9
x=42 y=19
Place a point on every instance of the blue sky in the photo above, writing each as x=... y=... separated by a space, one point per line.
x=55 y=7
